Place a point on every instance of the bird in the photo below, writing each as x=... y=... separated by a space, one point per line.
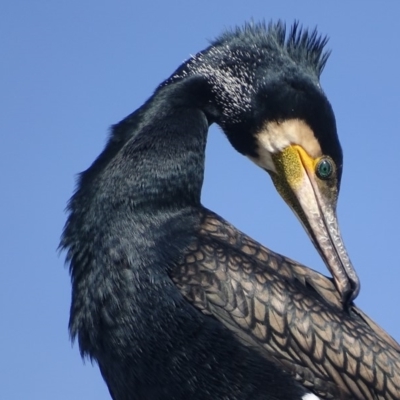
x=172 y=301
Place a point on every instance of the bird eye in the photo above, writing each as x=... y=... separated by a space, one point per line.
x=324 y=168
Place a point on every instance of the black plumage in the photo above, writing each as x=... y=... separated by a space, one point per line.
x=172 y=301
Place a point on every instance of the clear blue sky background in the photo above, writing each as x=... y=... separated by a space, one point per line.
x=69 y=70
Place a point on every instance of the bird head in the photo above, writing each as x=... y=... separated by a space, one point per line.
x=264 y=92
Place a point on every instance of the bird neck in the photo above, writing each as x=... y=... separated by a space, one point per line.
x=141 y=194
x=158 y=152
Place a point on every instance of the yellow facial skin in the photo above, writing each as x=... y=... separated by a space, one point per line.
x=314 y=202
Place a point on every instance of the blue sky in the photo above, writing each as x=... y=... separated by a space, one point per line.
x=69 y=70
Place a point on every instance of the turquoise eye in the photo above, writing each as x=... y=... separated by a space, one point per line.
x=324 y=168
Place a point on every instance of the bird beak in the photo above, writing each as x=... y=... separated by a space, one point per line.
x=313 y=200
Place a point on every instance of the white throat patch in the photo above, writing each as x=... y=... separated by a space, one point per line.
x=276 y=136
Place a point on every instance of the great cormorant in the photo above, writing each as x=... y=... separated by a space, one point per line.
x=175 y=303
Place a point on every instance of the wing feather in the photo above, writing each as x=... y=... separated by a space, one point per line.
x=289 y=313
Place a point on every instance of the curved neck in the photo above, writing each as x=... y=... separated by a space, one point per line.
x=155 y=156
